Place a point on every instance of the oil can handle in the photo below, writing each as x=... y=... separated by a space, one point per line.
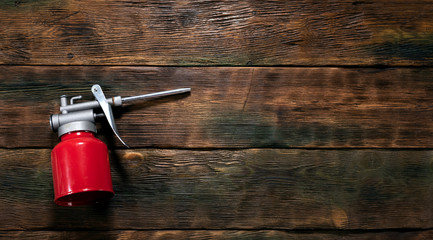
x=106 y=108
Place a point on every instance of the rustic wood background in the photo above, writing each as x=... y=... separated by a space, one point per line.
x=307 y=119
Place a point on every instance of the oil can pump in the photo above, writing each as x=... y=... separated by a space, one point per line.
x=80 y=164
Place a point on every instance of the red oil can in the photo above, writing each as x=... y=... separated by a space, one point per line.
x=81 y=170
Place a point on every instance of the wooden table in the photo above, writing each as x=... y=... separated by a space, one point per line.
x=307 y=120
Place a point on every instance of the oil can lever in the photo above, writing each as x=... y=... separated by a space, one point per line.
x=106 y=108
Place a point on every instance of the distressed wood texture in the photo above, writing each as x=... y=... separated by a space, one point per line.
x=223 y=235
x=225 y=189
x=336 y=32
x=231 y=107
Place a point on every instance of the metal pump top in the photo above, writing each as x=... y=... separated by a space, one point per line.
x=81 y=116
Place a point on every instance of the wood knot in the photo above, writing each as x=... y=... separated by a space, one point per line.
x=133 y=156
x=339 y=218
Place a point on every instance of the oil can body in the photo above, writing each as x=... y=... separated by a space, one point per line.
x=81 y=170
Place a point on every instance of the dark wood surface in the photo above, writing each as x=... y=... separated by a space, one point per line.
x=307 y=119
x=212 y=234
x=231 y=107
x=337 y=32
x=230 y=189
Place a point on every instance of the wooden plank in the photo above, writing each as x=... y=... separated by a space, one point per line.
x=231 y=107
x=390 y=32
x=226 y=189
x=204 y=234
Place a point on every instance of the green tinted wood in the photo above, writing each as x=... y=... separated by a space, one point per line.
x=245 y=189
x=231 y=107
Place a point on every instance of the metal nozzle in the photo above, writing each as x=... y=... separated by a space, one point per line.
x=156 y=95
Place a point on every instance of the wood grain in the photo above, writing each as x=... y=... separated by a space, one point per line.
x=231 y=107
x=226 y=189
x=221 y=234
x=348 y=32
